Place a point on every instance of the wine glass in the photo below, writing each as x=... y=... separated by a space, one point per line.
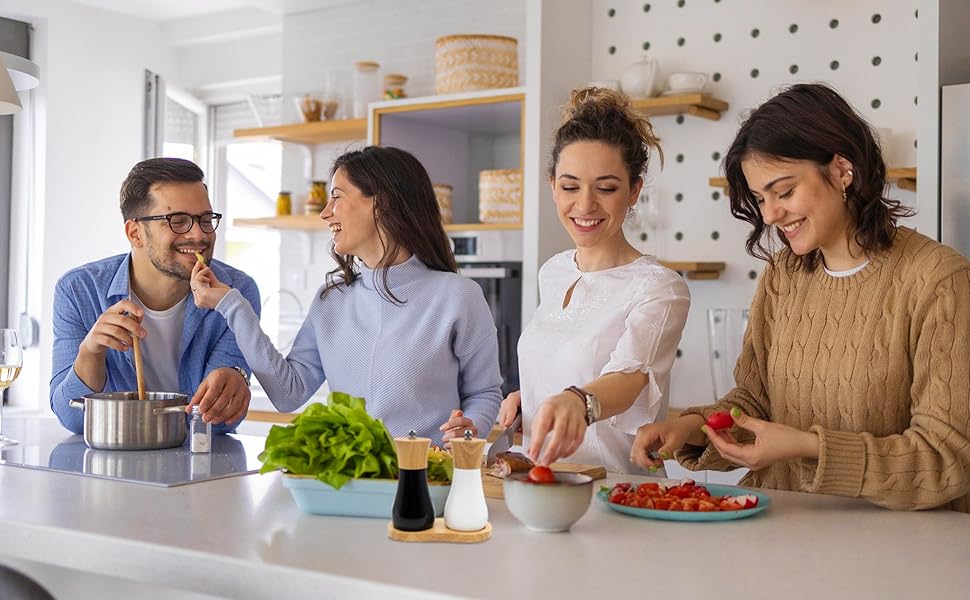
x=11 y=359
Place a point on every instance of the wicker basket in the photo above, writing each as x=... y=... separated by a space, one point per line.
x=500 y=196
x=443 y=191
x=465 y=63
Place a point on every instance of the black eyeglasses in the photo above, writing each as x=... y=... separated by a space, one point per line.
x=181 y=222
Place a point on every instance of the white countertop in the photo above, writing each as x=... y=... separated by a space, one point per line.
x=243 y=537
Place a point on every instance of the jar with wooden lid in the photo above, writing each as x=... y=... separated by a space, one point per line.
x=317 y=198
x=284 y=204
x=394 y=86
x=367 y=86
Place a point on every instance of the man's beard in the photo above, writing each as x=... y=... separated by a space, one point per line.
x=171 y=269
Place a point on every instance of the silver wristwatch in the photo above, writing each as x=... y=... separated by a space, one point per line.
x=591 y=402
x=243 y=373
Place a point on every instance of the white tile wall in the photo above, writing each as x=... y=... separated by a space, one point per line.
x=752 y=34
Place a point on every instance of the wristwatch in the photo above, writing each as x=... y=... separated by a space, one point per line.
x=243 y=373
x=591 y=402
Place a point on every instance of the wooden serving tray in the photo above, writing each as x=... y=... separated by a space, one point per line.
x=440 y=533
x=493 y=485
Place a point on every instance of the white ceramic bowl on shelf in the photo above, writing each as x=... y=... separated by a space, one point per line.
x=683 y=83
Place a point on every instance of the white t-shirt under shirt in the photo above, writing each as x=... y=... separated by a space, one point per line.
x=623 y=319
x=161 y=349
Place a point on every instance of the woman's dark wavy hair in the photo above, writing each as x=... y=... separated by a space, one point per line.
x=596 y=114
x=405 y=210
x=813 y=122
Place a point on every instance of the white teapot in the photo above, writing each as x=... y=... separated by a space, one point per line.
x=639 y=79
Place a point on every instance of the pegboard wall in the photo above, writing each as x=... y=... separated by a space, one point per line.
x=750 y=49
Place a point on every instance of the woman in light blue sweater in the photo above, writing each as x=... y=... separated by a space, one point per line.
x=394 y=323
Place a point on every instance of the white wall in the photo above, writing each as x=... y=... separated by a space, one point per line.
x=853 y=43
x=89 y=129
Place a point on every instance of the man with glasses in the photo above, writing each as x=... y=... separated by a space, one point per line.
x=99 y=306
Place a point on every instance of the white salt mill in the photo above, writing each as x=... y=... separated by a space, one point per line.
x=465 y=509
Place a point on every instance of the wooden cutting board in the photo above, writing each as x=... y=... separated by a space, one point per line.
x=440 y=533
x=493 y=485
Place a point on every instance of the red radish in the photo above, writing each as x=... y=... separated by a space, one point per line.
x=541 y=474
x=745 y=501
x=719 y=420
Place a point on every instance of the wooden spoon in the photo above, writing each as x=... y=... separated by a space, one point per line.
x=139 y=368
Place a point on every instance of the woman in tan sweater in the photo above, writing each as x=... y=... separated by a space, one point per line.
x=854 y=377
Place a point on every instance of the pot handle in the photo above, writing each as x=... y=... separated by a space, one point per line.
x=169 y=410
x=76 y=404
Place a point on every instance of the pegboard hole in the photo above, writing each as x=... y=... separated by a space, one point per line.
x=834 y=65
x=833 y=24
x=612 y=50
x=876 y=103
x=680 y=119
x=643 y=237
x=752 y=274
x=876 y=18
x=679 y=236
x=715 y=235
x=793 y=28
x=681 y=41
x=680 y=158
x=755 y=73
x=679 y=197
x=715 y=196
x=716 y=155
x=679 y=352
x=681 y=3
x=716 y=77
x=793 y=69
x=876 y=61
x=755 y=32
x=717 y=37
x=646 y=45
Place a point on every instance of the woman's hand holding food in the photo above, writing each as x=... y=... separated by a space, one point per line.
x=561 y=418
x=207 y=290
x=773 y=442
x=508 y=410
x=656 y=442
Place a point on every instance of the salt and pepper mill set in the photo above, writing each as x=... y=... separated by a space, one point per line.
x=465 y=509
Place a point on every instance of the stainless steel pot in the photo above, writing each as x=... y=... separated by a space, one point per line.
x=120 y=421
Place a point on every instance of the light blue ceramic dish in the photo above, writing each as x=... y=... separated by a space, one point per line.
x=672 y=515
x=357 y=498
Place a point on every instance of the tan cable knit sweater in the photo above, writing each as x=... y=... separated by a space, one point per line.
x=877 y=364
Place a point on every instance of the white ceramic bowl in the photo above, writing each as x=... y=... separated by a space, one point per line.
x=686 y=82
x=548 y=506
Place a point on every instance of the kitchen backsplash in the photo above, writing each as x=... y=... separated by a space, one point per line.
x=749 y=49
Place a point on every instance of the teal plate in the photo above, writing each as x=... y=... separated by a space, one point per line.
x=673 y=515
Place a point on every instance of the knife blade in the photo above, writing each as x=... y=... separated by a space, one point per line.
x=504 y=441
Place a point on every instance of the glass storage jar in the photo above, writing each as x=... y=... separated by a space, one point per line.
x=367 y=87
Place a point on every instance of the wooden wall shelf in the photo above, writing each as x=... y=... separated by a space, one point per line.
x=695 y=269
x=316 y=132
x=904 y=177
x=705 y=106
x=315 y=223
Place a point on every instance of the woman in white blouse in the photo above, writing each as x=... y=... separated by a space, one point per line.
x=595 y=359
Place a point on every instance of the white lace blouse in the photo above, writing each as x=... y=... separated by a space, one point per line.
x=623 y=319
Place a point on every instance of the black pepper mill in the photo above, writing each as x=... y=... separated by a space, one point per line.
x=412 y=505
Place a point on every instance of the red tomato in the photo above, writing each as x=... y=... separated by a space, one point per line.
x=719 y=420
x=541 y=474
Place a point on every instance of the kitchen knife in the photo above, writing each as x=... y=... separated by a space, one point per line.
x=504 y=441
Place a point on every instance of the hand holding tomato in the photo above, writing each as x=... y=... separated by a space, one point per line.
x=720 y=420
x=773 y=442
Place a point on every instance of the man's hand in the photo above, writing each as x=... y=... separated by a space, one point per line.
x=455 y=427
x=113 y=330
x=223 y=397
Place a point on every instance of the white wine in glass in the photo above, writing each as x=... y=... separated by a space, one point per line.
x=11 y=360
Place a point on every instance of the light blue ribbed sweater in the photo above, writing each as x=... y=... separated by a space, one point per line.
x=413 y=363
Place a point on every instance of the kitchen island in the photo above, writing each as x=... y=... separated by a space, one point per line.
x=243 y=537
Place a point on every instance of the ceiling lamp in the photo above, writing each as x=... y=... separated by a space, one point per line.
x=24 y=73
x=9 y=101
